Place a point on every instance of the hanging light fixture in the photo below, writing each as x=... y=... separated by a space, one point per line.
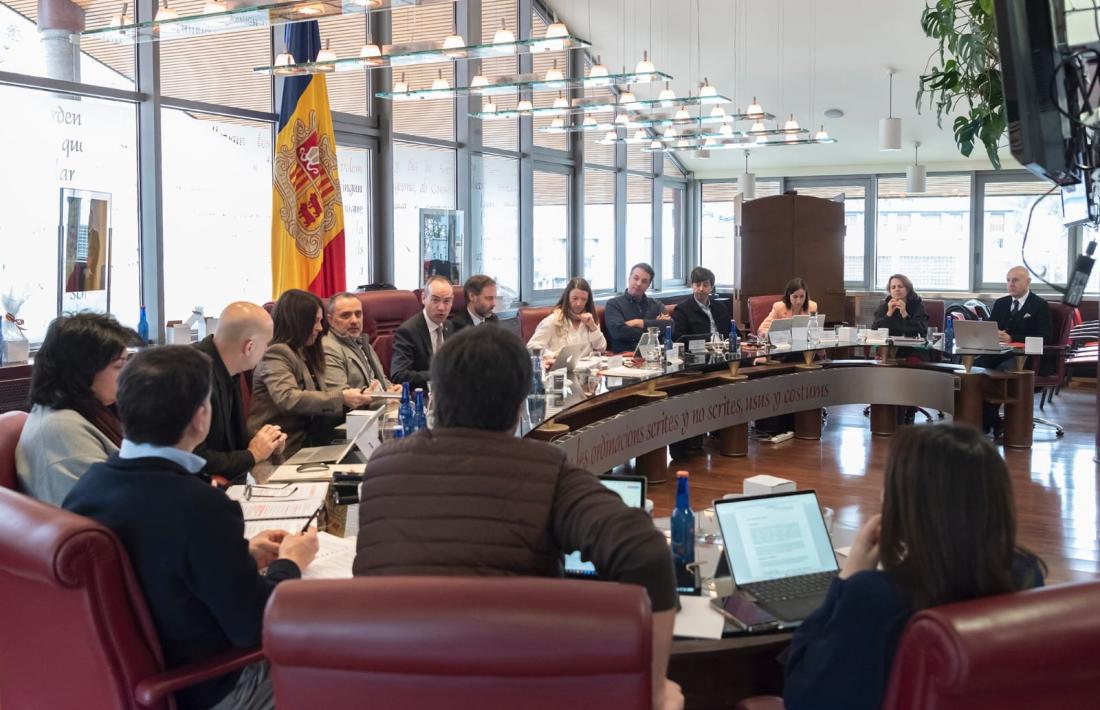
x=598 y=70
x=645 y=66
x=682 y=114
x=479 y=82
x=454 y=45
x=214 y=7
x=370 y=54
x=889 y=129
x=758 y=127
x=791 y=124
x=283 y=64
x=326 y=55
x=822 y=134
x=667 y=96
x=557 y=30
x=640 y=135
x=561 y=102
x=622 y=119
x=656 y=145
x=726 y=130
x=554 y=74
x=718 y=112
x=916 y=175
x=440 y=83
x=558 y=124
x=627 y=97
x=119 y=20
x=754 y=109
x=706 y=91
x=746 y=181
x=399 y=87
x=166 y=13
x=589 y=123
x=610 y=137
x=524 y=106
x=504 y=35
x=489 y=106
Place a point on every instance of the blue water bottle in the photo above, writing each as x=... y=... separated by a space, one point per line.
x=405 y=410
x=420 y=418
x=683 y=524
x=143 y=327
x=668 y=343
x=949 y=335
x=735 y=339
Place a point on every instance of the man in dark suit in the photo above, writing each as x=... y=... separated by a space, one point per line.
x=1019 y=315
x=701 y=314
x=481 y=299
x=244 y=330
x=419 y=337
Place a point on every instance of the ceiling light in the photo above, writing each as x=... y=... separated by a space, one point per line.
x=558 y=124
x=718 y=112
x=706 y=90
x=627 y=97
x=370 y=54
x=589 y=122
x=478 y=82
x=621 y=119
x=758 y=127
x=283 y=62
x=726 y=130
x=645 y=66
x=367 y=3
x=119 y=20
x=454 y=45
x=610 y=137
x=656 y=145
x=561 y=102
x=440 y=83
x=834 y=113
x=326 y=55
x=489 y=107
x=821 y=135
x=598 y=70
x=791 y=125
x=760 y=140
x=916 y=175
x=400 y=86
x=754 y=108
x=640 y=135
x=504 y=35
x=307 y=9
x=709 y=142
x=671 y=132
x=557 y=30
x=525 y=106
x=889 y=129
x=682 y=115
x=667 y=96
x=166 y=13
x=746 y=181
x=554 y=74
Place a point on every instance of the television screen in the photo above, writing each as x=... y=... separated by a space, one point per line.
x=1075 y=204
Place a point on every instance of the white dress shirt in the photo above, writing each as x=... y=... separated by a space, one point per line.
x=433 y=327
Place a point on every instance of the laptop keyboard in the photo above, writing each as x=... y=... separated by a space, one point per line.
x=777 y=590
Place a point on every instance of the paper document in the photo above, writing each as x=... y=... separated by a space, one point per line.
x=334 y=558
x=252 y=528
x=635 y=372
x=268 y=510
x=698 y=619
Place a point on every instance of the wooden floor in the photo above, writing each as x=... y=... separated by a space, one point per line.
x=1055 y=482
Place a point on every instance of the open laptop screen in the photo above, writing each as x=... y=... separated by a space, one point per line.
x=775 y=536
x=632 y=491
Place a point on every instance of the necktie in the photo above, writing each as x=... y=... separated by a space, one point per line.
x=1015 y=308
x=437 y=338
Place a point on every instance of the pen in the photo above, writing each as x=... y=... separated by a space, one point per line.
x=305 y=528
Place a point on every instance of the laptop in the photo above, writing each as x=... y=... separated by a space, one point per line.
x=779 y=334
x=570 y=355
x=978 y=335
x=779 y=551
x=632 y=490
x=333 y=453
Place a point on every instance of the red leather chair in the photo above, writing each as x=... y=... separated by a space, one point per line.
x=935 y=310
x=383 y=345
x=384 y=311
x=1050 y=368
x=74 y=628
x=1035 y=649
x=474 y=642
x=759 y=308
x=11 y=426
x=529 y=319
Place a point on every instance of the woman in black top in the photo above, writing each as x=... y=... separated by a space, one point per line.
x=902 y=311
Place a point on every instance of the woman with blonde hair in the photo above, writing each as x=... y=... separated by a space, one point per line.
x=572 y=322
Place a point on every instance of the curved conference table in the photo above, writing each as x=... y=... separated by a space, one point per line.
x=636 y=416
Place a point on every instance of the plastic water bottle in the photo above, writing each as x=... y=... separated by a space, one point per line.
x=735 y=339
x=683 y=524
x=405 y=410
x=420 y=417
x=536 y=398
x=143 y=327
x=668 y=343
x=949 y=335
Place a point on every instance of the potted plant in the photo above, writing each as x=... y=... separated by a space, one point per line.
x=963 y=77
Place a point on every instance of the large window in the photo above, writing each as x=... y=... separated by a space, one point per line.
x=1005 y=208
x=718 y=223
x=673 y=224
x=599 y=228
x=855 y=219
x=215 y=237
x=925 y=236
x=59 y=146
x=347 y=91
x=423 y=177
x=355 y=190
x=217 y=69
x=541 y=63
x=551 y=230
x=494 y=231
x=434 y=118
x=639 y=220
x=501 y=133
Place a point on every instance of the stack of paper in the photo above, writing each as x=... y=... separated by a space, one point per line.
x=334 y=558
x=278 y=506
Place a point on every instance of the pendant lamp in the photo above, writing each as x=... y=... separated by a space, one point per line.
x=916 y=175
x=889 y=129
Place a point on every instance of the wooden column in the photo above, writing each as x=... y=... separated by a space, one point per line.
x=653 y=465
x=884 y=419
x=734 y=440
x=968 y=400
x=1019 y=409
x=807 y=424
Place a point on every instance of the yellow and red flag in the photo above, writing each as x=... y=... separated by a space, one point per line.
x=307 y=216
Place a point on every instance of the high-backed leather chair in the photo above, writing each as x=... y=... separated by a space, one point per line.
x=385 y=311
x=420 y=643
x=529 y=319
x=383 y=345
x=11 y=426
x=936 y=313
x=759 y=308
x=1035 y=649
x=74 y=628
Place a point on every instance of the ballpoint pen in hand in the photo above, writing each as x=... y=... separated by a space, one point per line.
x=309 y=521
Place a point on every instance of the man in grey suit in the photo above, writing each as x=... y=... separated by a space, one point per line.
x=350 y=361
x=421 y=336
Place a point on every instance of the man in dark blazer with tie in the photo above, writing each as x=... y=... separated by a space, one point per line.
x=419 y=337
x=1019 y=315
x=481 y=299
x=701 y=314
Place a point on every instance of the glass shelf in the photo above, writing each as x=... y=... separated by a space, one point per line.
x=420 y=53
x=636 y=123
x=735 y=136
x=736 y=143
x=237 y=16
x=530 y=82
x=582 y=106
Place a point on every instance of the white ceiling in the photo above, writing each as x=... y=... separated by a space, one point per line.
x=856 y=40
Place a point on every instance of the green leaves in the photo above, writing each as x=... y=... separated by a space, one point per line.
x=967 y=71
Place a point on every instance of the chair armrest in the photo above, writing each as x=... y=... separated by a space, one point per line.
x=153 y=689
x=1050 y=349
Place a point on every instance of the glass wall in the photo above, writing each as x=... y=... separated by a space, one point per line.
x=356 y=187
x=1005 y=210
x=639 y=220
x=673 y=229
x=925 y=236
x=551 y=230
x=599 y=228
x=718 y=228
x=423 y=177
x=494 y=227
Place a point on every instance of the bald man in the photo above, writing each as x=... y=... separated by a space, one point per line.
x=1020 y=314
x=244 y=330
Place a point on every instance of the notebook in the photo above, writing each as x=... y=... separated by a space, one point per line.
x=779 y=551
x=632 y=490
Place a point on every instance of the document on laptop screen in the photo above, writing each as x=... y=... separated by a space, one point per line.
x=775 y=537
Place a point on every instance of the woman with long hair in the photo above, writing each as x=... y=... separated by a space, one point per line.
x=902 y=311
x=288 y=388
x=796 y=301
x=572 y=322
x=947 y=533
x=73 y=423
